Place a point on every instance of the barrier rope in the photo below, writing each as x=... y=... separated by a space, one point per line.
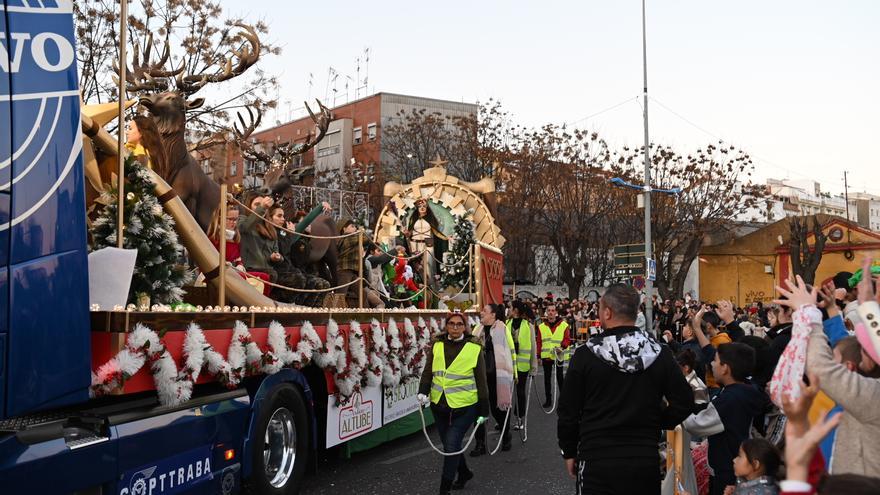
x=480 y=421
x=506 y=422
x=553 y=387
x=524 y=426
x=441 y=296
x=293 y=289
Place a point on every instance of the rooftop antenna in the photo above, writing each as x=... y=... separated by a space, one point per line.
x=366 y=71
x=331 y=79
x=357 y=71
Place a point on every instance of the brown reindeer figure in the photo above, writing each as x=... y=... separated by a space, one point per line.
x=199 y=193
x=322 y=252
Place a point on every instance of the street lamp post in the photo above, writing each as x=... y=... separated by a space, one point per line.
x=649 y=252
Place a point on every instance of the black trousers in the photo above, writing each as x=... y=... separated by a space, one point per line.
x=498 y=414
x=521 y=393
x=548 y=378
x=618 y=477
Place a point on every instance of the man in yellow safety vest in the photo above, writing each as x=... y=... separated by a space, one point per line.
x=520 y=327
x=553 y=346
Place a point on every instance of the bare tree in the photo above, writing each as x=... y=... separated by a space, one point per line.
x=570 y=197
x=175 y=44
x=804 y=259
x=472 y=144
x=715 y=184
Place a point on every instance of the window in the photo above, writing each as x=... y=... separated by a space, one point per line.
x=329 y=150
x=233 y=168
x=358 y=135
x=371 y=132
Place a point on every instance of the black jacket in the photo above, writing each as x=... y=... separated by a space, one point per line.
x=612 y=406
x=737 y=405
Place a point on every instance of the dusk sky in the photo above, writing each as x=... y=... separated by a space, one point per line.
x=791 y=82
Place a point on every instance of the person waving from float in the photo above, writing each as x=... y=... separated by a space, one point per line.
x=454 y=383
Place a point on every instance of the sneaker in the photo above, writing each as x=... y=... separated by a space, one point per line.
x=497 y=427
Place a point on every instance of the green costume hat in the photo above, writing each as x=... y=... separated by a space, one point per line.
x=857 y=276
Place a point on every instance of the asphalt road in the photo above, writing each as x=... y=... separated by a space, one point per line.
x=408 y=465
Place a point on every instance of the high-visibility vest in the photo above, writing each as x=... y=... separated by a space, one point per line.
x=551 y=339
x=457 y=382
x=477 y=328
x=524 y=338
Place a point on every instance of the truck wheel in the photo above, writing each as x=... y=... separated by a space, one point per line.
x=281 y=443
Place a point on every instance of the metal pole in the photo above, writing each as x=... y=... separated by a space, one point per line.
x=478 y=276
x=360 y=268
x=649 y=252
x=120 y=127
x=471 y=289
x=221 y=242
x=425 y=276
x=846 y=198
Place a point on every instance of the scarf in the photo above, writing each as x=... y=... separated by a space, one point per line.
x=503 y=365
x=786 y=381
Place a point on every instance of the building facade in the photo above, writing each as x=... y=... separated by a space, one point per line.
x=865 y=210
x=354 y=138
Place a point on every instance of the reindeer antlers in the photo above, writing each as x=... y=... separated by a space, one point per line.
x=148 y=76
x=285 y=152
x=322 y=122
x=247 y=57
x=248 y=150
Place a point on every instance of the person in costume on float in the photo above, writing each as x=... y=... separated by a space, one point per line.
x=454 y=383
x=259 y=238
x=499 y=355
x=424 y=236
x=289 y=274
x=143 y=141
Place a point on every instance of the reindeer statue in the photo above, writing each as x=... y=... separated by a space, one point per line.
x=281 y=176
x=168 y=108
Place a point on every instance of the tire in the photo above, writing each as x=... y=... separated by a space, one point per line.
x=281 y=443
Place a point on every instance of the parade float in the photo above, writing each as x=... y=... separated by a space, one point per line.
x=156 y=394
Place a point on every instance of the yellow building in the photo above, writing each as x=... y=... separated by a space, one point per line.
x=749 y=268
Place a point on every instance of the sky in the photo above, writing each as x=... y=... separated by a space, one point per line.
x=793 y=83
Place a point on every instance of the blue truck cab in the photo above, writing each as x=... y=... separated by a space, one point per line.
x=53 y=437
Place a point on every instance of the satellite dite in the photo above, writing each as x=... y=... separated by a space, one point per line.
x=43 y=270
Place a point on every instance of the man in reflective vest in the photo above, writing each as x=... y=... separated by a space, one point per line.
x=553 y=346
x=523 y=335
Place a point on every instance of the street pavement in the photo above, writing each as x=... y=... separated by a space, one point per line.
x=409 y=466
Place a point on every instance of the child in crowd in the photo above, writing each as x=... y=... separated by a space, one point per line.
x=687 y=361
x=728 y=417
x=756 y=467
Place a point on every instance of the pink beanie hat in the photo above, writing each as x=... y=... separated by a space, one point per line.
x=867 y=343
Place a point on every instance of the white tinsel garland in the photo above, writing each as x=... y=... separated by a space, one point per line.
x=410 y=348
x=378 y=353
x=391 y=373
x=388 y=362
x=435 y=327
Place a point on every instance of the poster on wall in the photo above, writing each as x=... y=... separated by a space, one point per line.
x=400 y=400
x=362 y=414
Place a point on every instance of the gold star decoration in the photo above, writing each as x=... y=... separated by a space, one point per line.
x=438 y=162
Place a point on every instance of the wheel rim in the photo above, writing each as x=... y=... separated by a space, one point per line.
x=279 y=449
